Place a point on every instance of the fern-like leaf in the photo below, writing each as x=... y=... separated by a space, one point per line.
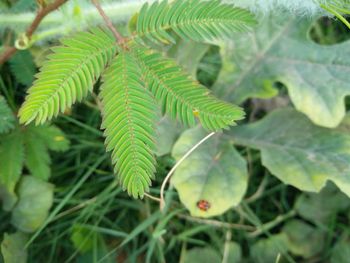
x=129 y=114
x=182 y=97
x=68 y=75
x=191 y=19
x=7 y=119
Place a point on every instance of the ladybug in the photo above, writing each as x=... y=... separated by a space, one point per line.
x=203 y=205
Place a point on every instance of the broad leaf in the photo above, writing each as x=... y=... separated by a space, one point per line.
x=303 y=240
x=322 y=207
x=298 y=152
x=11 y=163
x=214 y=173
x=202 y=255
x=341 y=251
x=268 y=249
x=7 y=119
x=13 y=248
x=35 y=200
x=167 y=133
x=317 y=77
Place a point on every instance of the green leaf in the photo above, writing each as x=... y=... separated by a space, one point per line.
x=341 y=252
x=32 y=208
x=202 y=255
x=323 y=206
x=7 y=119
x=129 y=114
x=167 y=133
x=181 y=96
x=234 y=253
x=23 y=67
x=13 y=248
x=298 y=152
x=303 y=239
x=268 y=249
x=68 y=76
x=191 y=19
x=52 y=136
x=82 y=238
x=37 y=157
x=215 y=173
x=11 y=163
x=317 y=77
x=188 y=54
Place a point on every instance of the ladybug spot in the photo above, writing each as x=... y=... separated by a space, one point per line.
x=203 y=205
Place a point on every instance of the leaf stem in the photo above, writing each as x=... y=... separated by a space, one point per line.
x=43 y=12
x=120 y=39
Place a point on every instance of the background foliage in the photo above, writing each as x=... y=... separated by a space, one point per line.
x=277 y=184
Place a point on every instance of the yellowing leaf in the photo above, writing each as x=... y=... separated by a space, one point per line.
x=213 y=178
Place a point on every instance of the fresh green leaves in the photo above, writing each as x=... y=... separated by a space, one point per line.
x=191 y=19
x=317 y=77
x=68 y=76
x=129 y=114
x=183 y=98
x=298 y=152
x=215 y=173
x=134 y=79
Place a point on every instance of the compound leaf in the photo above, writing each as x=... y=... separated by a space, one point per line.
x=298 y=152
x=182 y=97
x=68 y=75
x=129 y=113
x=215 y=173
x=191 y=19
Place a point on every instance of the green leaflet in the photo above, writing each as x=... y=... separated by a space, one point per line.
x=13 y=248
x=202 y=255
x=317 y=77
x=11 y=163
x=180 y=96
x=298 y=152
x=191 y=19
x=68 y=75
x=215 y=172
x=7 y=119
x=129 y=114
x=27 y=147
x=37 y=157
x=35 y=199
